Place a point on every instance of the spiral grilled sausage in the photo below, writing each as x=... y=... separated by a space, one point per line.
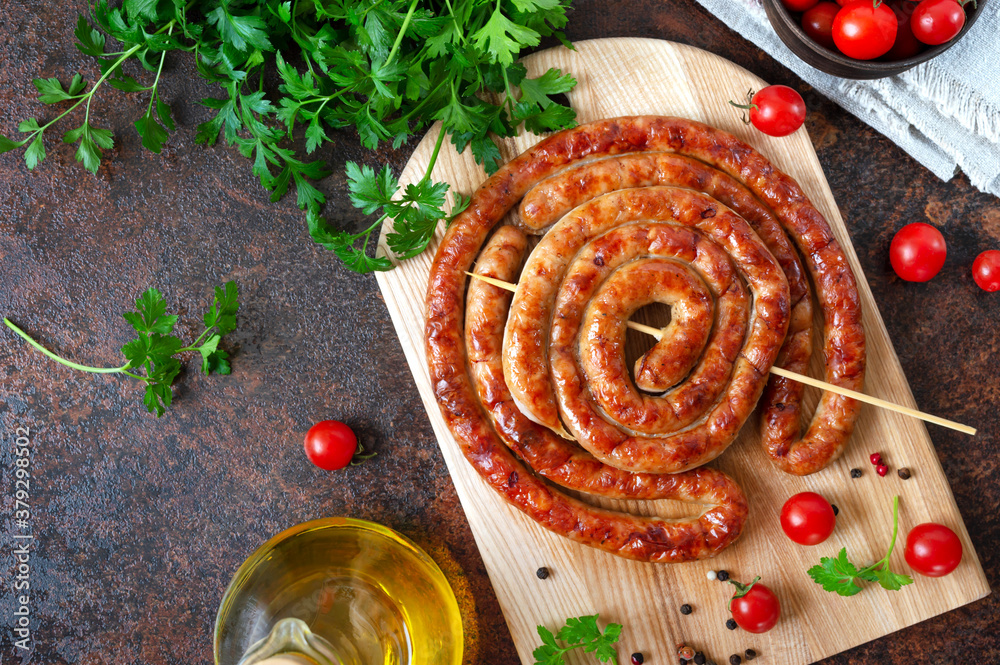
x=559 y=460
x=553 y=197
x=474 y=428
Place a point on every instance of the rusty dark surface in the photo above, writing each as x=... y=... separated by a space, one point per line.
x=139 y=523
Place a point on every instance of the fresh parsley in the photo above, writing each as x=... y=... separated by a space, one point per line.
x=839 y=575
x=152 y=356
x=386 y=68
x=578 y=632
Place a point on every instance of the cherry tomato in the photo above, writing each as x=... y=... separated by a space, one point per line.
x=986 y=270
x=755 y=607
x=906 y=44
x=933 y=549
x=807 y=518
x=862 y=31
x=818 y=23
x=937 y=21
x=330 y=445
x=777 y=110
x=798 y=5
x=917 y=252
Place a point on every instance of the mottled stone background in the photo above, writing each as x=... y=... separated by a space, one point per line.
x=140 y=522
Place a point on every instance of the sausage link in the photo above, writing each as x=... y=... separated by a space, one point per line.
x=601 y=338
x=781 y=404
x=564 y=463
x=535 y=306
x=446 y=351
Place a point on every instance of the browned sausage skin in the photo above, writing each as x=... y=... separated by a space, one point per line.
x=564 y=463
x=646 y=439
x=553 y=197
x=844 y=343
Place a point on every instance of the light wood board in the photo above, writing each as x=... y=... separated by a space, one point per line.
x=641 y=76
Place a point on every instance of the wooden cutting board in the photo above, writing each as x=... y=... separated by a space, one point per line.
x=643 y=76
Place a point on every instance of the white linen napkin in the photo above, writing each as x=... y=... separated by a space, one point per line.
x=945 y=112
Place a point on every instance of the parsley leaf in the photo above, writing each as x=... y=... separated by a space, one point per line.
x=503 y=38
x=51 y=90
x=578 y=632
x=239 y=31
x=151 y=357
x=387 y=69
x=836 y=574
x=839 y=575
x=151 y=315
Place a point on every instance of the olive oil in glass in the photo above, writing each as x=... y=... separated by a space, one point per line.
x=339 y=591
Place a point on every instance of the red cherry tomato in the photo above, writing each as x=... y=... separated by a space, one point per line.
x=798 y=5
x=777 y=110
x=933 y=549
x=906 y=44
x=330 y=445
x=917 y=252
x=818 y=23
x=986 y=270
x=862 y=31
x=937 y=21
x=755 y=608
x=807 y=518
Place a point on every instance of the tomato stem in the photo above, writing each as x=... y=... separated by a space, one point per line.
x=359 y=454
x=743 y=589
x=746 y=107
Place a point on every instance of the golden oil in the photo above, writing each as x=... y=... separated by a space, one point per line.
x=362 y=592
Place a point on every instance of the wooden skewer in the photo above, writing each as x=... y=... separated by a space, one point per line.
x=875 y=401
x=809 y=381
x=649 y=330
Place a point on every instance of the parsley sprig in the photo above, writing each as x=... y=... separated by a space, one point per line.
x=578 y=632
x=152 y=356
x=839 y=575
x=386 y=68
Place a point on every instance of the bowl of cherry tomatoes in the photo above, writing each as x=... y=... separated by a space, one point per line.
x=870 y=39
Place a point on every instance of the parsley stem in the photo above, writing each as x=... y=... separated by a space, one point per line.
x=434 y=155
x=425 y=100
x=69 y=363
x=85 y=96
x=884 y=562
x=197 y=343
x=402 y=31
x=118 y=63
x=156 y=81
x=367 y=232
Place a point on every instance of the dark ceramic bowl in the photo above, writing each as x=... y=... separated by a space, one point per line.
x=790 y=31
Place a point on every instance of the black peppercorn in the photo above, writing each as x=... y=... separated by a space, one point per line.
x=735 y=659
x=542 y=573
x=685 y=609
x=836 y=510
x=904 y=473
x=699 y=658
x=637 y=658
x=855 y=473
x=750 y=654
x=722 y=575
x=731 y=624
